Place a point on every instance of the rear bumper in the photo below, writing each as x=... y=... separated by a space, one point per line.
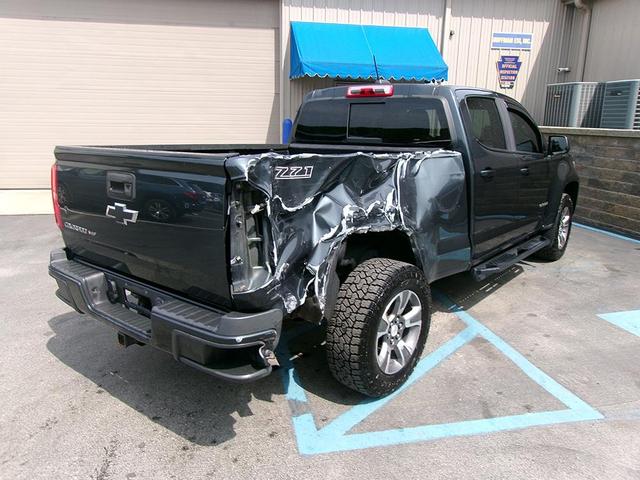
x=229 y=345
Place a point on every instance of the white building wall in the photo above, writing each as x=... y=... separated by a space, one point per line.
x=132 y=72
x=472 y=62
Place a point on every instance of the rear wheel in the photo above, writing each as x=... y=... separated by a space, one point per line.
x=379 y=326
x=560 y=232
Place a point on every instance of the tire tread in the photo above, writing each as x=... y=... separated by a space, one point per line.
x=356 y=307
x=552 y=252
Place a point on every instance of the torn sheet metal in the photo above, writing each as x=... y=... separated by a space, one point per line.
x=314 y=202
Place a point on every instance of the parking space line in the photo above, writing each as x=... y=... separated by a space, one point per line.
x=313 y=441
x=533 y=372
x=629 y=321
x=334 y=436
x=606 y=232
x=292 y=385
x=358 y=413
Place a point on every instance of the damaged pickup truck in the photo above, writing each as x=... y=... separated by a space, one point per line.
x=204 y=250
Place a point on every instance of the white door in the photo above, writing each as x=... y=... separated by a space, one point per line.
x=76 y=72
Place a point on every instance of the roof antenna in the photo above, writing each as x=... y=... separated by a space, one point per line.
x=379 y=79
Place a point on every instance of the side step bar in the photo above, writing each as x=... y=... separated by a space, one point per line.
x=506 y=259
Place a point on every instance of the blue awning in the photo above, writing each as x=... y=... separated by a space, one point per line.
x=347 y=51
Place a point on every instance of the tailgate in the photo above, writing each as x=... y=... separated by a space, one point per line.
x=158 y=216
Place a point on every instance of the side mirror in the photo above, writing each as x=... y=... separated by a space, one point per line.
x=558 y=144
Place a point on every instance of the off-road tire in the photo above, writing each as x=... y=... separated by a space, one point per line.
x=554 y=251
x=351 y=343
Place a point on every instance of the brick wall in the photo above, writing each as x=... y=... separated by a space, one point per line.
x=608 y=162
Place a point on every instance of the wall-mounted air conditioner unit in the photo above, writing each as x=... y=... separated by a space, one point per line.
x=574 y=104
x=621 y=105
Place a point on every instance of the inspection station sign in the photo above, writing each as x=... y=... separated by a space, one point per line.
x=511 y=41
x=508 y=68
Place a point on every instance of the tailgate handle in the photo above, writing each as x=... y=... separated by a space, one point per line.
x=121 y=185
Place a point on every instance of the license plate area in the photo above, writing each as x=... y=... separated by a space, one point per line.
x=136 y=298
x=140 y=297
x=136 y=302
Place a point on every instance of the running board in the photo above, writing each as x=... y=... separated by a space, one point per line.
x=506 y=259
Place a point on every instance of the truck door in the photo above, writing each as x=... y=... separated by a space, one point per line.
x=496 y=219
x=534 y=166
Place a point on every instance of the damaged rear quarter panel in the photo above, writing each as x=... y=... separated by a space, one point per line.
x=314 y=202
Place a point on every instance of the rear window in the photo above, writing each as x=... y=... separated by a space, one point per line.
x=322 y=121
x=398 y=121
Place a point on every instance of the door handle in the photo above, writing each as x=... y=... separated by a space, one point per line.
x=487 y=172
x=524 y=170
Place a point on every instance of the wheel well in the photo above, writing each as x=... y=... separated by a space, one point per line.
x=394 y=244
x=572 y=190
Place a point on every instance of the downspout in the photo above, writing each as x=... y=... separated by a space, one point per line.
x=281 y=77
x=584 y=38
x=446 y=29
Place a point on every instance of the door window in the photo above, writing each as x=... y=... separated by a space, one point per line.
x=486 y=125
x=526 y=136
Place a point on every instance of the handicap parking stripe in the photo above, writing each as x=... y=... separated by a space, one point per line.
x=334 y=436
x=606 y=232
x=358 y=413
x=629 y=321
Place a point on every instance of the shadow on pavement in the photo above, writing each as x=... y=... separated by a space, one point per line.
x=307 y=350
x=466 y=292
x=191 y=404
x=196 y=406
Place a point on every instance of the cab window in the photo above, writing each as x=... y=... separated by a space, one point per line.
x=526 y=135
x=486 y=125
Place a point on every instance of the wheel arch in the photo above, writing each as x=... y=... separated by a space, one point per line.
x=572 y=189
x=359 y=247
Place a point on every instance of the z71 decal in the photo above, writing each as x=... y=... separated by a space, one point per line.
x=293 y=173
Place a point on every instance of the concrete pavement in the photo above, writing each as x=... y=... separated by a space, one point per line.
x=75 y=405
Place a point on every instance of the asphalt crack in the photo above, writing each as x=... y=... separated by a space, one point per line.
x=103 y=473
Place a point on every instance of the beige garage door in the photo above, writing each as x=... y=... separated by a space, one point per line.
x=132 y=71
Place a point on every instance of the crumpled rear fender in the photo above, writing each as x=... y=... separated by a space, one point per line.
x=316 y=202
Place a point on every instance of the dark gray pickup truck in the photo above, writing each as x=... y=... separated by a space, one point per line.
x=204 y=250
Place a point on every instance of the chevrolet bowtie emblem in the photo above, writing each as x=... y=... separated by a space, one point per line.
x=121 y=213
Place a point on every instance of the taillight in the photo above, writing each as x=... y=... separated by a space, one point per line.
x=54 y=196
x=249 y=239
x=370 y=91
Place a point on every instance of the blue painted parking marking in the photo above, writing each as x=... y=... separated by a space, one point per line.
x=606 y=232
x=335 y=436
x=629 y=321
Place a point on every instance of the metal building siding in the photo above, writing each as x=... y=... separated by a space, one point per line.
x=613 y=41
x=468 y=52
x=409 y=13
x=472 y=62
x=127 y=72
